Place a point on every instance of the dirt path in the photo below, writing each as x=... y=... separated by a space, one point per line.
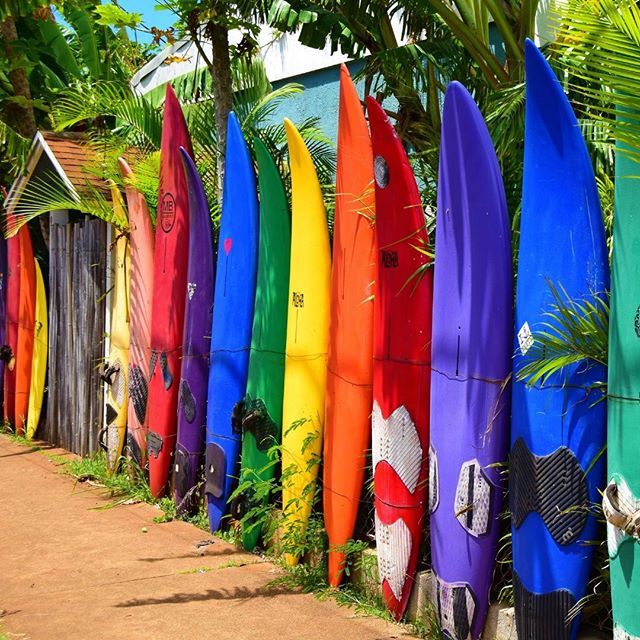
x=69 y=570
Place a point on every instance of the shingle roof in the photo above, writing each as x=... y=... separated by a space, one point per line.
x=74 y=156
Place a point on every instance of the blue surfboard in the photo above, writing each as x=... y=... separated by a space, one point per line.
x=557 y=430
x=232 y=322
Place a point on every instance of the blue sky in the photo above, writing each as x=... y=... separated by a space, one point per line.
x=150 y=16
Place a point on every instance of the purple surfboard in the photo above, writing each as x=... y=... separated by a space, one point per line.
x=471 y=363
x=192 y=407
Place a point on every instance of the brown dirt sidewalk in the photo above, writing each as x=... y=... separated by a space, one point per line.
x=74 y=572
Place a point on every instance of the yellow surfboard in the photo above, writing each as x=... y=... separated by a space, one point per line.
x=306 y=346
x=117 y=365
x=39 y=362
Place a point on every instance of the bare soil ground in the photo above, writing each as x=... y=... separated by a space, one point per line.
x=71 y=570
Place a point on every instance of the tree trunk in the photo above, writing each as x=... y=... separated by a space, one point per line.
x=21 y=117
x=220 y=69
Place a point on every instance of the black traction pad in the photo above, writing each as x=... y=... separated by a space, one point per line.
x=154 y=443
x=237 y=416
x=134 y=449
x=138 y=392
x=112 y=413
x=243 y=503
x=553 y=485
x=456 y=606
x=187 y=401
x=182 y=471
x=215 y=470
x=258 y=422
x=152 y=363
x=542 y=616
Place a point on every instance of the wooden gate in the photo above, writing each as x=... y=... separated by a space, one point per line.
x=77 y=292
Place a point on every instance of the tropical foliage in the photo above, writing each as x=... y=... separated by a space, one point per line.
x=55 y=47
x=74 y=75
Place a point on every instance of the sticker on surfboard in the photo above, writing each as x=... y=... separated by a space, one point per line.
x=525 y=338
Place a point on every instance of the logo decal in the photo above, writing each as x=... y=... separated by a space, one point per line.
x=227 y=245
x=389 y=259
x=191 y=289
x=381 y=171
x=167 y=212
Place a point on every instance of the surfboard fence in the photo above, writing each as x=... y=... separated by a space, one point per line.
x=77 y=292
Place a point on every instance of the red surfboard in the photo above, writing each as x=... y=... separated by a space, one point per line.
x=13 y=315
x=350 y=363
x=26 y=328
x=169 y=292
x=401 y=366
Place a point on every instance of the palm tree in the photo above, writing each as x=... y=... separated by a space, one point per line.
x=44 y=56
x=211 y=21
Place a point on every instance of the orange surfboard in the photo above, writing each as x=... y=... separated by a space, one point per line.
x=350 y=360
x=26 y=328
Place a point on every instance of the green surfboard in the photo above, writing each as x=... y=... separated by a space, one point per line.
x=622 y=497
x=262 y=420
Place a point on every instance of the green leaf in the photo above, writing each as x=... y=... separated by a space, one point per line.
x=111 y=15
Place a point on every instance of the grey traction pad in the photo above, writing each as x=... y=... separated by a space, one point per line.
x=553 y=485
x=542 y=616
x=456 y=605
x=154 y=443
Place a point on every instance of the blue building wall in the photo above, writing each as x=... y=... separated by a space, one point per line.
x=319 y=98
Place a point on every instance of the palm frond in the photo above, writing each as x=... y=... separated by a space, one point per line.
x=50 y=193
x=599 y=40
x=575 y=332
x=136 y=120
x=15 y=147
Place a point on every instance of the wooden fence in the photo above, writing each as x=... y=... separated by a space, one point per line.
x=77 y=292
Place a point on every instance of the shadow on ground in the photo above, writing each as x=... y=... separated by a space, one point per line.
x=237 y=593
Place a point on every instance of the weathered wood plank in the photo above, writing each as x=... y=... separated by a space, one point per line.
x=77 y=255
